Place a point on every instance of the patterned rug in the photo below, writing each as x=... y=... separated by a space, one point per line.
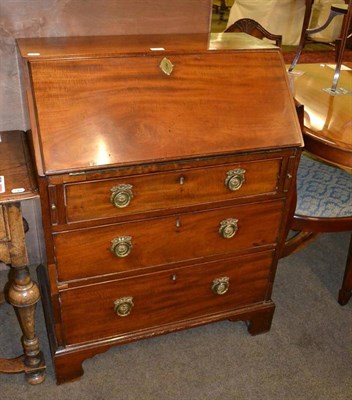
x=323 y=190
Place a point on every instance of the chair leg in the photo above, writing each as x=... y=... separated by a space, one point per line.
x=306 y=19
x=305 y=32
x=345 y=292
x=297 y=242
x=344 y=33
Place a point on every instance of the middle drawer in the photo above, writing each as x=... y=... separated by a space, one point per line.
x=159 y=241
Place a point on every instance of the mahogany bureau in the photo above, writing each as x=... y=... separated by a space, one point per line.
x=166 y=165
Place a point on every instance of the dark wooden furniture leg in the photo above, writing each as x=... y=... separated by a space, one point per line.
x=23 y=294
x=334 y=12
x=344 y=33
x=258 y=322
x=345 y=292
x=306 y=19
x=261 y=322
x=2 y=297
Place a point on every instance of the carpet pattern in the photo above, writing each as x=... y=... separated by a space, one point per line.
x=323 y=190
x=307 y=355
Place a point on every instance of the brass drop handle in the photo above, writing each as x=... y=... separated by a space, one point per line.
x=228 y=228
x=121 y=195
x=123 y=306
x=235 y=179
x=220 y=285
x=121 y=246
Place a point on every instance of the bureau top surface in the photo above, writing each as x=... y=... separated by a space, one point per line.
x=114 y=46
x=110 y=101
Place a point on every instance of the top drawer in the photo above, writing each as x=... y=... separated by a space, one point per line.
x=142 y=193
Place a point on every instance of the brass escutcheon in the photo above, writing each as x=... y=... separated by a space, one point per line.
x=121 y=195
x=166 y=66
x=220 y=285
x=235 y=179
x=228 y=228
x=123 y=306
x=121 y=246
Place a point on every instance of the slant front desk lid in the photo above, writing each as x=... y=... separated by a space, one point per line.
x=113 y=101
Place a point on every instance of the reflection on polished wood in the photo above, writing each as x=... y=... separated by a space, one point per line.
x=116 y=46
x=110 y=109
x=328 y=118
x=21 y=292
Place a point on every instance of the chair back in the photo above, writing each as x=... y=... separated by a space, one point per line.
x=253 y=28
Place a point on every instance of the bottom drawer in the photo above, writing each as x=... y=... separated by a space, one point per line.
x=126 y=305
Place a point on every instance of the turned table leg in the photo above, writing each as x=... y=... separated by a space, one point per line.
x=23 y=294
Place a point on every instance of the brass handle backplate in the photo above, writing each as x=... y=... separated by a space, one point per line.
x=123 y=306
x=235 y=179
x=121 y=246
x=121 y=195
x=220 y=285
x=228 y=228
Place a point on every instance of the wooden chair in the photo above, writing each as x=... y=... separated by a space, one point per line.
x=336 y=10
x=253 y=28
x=324 y=204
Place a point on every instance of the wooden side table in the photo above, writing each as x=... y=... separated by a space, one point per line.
x=16 y=185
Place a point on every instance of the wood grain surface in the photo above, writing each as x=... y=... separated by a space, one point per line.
x=135 y=113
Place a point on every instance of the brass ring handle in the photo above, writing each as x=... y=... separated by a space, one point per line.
x=220 y=285
x=235 y=179
x=121 y=246
x=228 y=228
x=121 y=195
x=123 y=306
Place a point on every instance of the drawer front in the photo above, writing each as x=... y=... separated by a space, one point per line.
x=153 y=300
x=135 y=194
x=151 y=242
